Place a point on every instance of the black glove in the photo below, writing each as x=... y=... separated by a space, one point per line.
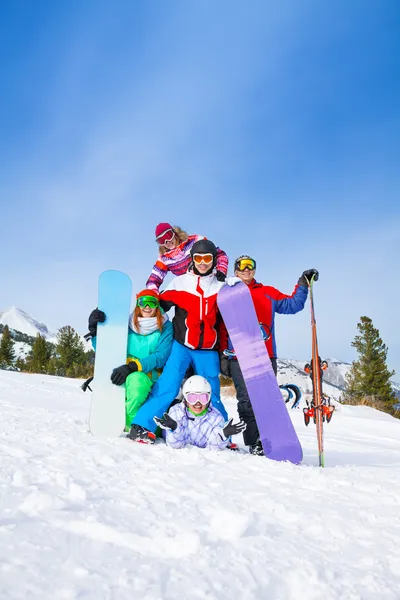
x=86 y=384
x=119 y=375
x=230 y=429
x=166 y=422
x=306 y=277
x=220 y=276
x=225 y=365
x=96 y=316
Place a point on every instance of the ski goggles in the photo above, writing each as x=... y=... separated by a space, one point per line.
x=245 y=263
x=165 y=237
x=147 y=301
x=194 y=398
x=207 y=259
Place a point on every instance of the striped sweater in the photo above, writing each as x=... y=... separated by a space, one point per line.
x=178 y=260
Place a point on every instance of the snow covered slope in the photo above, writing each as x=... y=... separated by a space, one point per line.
x=94 y=519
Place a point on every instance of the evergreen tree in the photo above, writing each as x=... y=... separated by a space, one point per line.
x=7 y=352
x=69 y=349
x=21 y=365
x=369 y=376
x=53 y=367
x=88 y=365
x=82 y=370
x=39 y=356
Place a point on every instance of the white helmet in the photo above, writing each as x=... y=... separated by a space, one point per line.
x=196 y=385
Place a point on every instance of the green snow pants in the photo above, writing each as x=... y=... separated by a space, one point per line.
x=137 y=388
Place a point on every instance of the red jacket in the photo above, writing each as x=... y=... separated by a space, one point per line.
x=195 y=301
x=268 y=301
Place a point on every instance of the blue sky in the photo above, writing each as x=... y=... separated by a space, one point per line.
x=271 y=127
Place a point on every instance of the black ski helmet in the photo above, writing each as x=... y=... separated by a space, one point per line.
x=204 y=247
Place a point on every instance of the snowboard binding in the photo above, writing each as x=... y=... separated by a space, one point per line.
x=308 y=368
x=325 y=407
x=293 y=392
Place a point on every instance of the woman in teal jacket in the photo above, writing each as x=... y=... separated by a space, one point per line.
x=149 y=345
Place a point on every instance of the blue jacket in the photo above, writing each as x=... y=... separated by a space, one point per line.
x=151 y=351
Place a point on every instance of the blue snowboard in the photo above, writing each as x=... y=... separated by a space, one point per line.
x=107 y=408
x=277 y=434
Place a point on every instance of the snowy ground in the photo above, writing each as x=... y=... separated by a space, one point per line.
x=85 y=518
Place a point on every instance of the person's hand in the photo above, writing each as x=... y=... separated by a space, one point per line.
x=96 y=316
x=220 y=276
x=233 y=429
x=225 y=365
x=233 y=280
x=166 y=422
x=306 y=277
x=119 y=375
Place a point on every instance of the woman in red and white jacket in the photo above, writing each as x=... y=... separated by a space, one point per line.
x=174 y=255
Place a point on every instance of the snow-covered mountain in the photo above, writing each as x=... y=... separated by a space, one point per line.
x=19 y=320
x=334 y=375
x=292 y=371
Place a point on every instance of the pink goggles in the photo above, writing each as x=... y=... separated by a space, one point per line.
x=165 y=237
x=194 y=398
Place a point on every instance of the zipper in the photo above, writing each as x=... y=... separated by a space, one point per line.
x=201 y=336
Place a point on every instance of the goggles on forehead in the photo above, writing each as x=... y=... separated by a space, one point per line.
x=245 y=263
x=147 y=301
x=165 y=237
x=207 y=259
x=194 y=398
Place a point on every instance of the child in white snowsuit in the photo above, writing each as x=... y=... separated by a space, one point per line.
x=195 y=422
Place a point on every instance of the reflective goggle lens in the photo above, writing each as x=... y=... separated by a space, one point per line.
x=194 y=398
x=147 y=301
x=203 y=258
x=167 y=236
x=245 y=263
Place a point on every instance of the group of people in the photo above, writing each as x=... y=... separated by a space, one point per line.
x=192 y=351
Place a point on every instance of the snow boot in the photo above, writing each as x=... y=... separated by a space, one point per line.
x=232 y=446
x=256 y=449
x=141 y=435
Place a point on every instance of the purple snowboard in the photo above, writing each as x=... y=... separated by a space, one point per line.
x=277 y=434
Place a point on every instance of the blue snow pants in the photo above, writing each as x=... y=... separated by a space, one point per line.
x=166 y=388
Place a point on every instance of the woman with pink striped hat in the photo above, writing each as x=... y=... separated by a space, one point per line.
x=174 y=247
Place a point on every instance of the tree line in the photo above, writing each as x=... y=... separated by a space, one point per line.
x=67 y=358
x=367 y=382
